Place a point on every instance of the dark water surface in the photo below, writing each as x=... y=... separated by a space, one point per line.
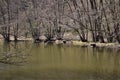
x=28 y=61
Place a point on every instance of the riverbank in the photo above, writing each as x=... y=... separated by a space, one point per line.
x=89 y=44
x=93 y=44
x=73 y=42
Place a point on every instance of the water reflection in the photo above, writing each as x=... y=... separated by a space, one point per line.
x=60 y=62
x=12 y=54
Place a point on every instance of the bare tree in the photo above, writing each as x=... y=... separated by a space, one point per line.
x=52 y=18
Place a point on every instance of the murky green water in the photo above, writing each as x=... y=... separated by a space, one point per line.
x=27 y=61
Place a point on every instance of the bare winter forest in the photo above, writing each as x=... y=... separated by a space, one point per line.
x=98 y=20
